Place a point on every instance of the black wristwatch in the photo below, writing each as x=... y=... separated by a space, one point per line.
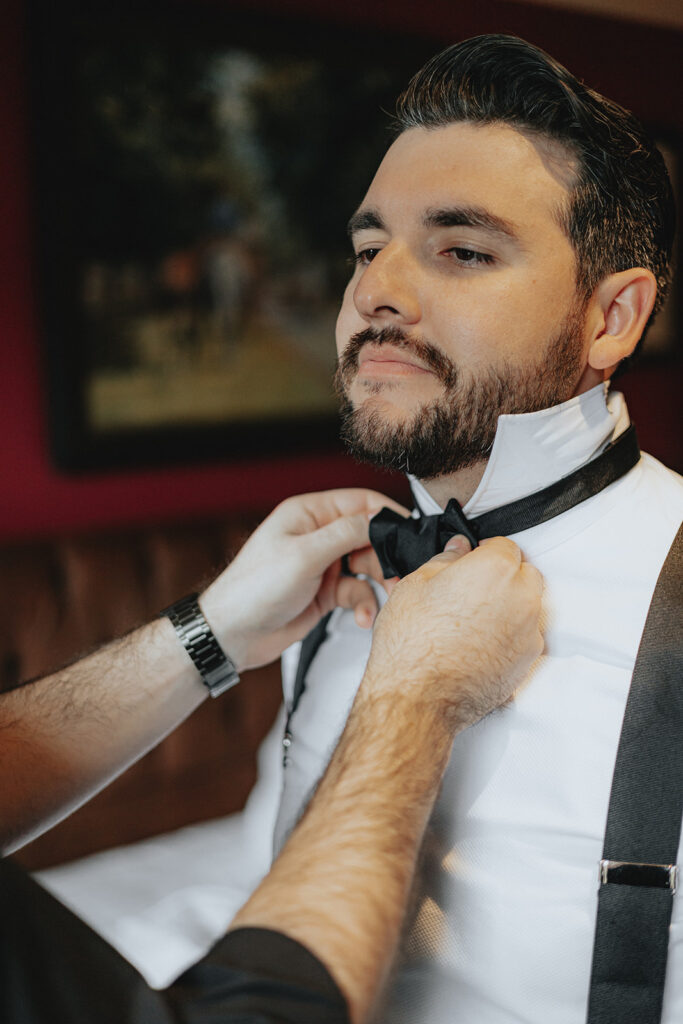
x=217 y=670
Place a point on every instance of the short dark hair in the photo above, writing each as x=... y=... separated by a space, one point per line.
x=621 y=212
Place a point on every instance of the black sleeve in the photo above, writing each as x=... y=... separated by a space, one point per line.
x=257 y=976
x=53 y=967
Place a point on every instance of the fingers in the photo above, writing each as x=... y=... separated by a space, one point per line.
x=532 y=576
x=459 y=544
x=325 y=526
x=465 y=628
x=366 y=563
x=339 y=537
x=311 y=511
x=499 y=552
x=358 y=595
x=502 y=546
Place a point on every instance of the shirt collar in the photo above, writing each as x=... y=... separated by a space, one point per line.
x=532 y=450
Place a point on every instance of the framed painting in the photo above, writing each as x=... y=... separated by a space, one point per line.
x=195 y=167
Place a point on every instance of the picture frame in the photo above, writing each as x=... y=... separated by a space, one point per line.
x=195 y=165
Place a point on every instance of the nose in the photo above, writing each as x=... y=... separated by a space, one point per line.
x=386 y=294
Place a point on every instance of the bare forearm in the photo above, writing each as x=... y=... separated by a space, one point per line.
x=342 y=882
x=453 y=641
x=62 y=738
x=65 y=736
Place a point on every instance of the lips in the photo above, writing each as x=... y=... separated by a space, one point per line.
x=388 y=359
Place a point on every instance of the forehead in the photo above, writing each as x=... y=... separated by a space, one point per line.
x=523 y=179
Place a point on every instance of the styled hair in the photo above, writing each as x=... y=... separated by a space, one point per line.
x=621 y=210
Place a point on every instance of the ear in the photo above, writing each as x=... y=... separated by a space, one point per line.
x=621 y=305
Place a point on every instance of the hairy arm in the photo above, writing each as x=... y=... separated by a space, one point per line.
x=352 y=858
x=63 y=737
x=451 y=644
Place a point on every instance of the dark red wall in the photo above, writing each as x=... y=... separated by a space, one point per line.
x=636 y=65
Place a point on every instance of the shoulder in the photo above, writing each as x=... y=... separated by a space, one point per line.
x=657 y=469
x=658 y=486
x=645 y=514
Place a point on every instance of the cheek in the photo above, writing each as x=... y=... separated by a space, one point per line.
x=348 y=322
x=474 y=329
x=508 y=321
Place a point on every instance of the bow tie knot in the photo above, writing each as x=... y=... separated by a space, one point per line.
x=402 y=545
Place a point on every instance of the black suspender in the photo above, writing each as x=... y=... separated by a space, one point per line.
x=309 y=649
x=638 y=873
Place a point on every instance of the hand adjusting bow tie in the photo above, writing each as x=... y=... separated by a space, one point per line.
x=402 y=545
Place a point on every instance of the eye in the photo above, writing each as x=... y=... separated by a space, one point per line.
x=469 y=257
x=364 y=257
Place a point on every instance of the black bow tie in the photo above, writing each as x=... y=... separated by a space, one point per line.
x=402 y=545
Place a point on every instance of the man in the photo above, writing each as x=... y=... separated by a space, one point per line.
x=62 y=734
x=510 y=253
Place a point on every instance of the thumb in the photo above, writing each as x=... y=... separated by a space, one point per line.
x=454 y=550
x=459 y=544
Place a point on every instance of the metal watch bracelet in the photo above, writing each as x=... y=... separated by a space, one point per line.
x=216 y=668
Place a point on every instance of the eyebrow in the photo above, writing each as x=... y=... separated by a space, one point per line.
x=470 y=217
x=449 y=217
x=364 y=219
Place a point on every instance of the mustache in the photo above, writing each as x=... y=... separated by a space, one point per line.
x=443 y=367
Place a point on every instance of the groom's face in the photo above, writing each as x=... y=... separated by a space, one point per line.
x=463 y=298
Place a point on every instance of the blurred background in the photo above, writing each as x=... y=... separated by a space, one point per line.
x=174 y=183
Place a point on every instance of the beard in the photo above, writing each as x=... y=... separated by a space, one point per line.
x=457 y=429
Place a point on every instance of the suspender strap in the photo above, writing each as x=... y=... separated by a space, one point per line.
x=309 y=649
x=637 y=874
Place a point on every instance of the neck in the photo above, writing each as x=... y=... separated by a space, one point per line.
x=460 y=485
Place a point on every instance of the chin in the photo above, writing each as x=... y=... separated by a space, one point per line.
x=386 y=412
x=391 y=401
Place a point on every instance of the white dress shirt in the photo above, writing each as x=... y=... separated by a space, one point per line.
x=504 y=932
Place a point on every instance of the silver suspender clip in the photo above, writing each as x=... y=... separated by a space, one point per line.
x=624 y=872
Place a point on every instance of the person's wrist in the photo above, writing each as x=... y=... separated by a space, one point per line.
x=211 y=660
x=225 y=626
x=453 y=700
x=406 y=699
